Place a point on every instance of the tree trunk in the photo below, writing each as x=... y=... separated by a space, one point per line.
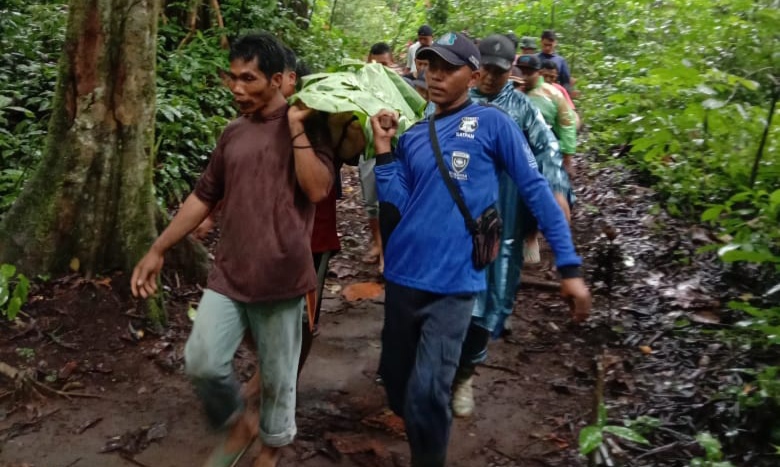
x=92 y=196
x=300 y=10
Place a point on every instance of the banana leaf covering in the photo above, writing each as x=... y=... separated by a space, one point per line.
x=361 y=90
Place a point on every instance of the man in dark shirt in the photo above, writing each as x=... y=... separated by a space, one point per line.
x=268 y=174
x=549 y=41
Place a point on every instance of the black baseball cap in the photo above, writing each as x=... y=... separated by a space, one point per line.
x=497 y=50
x=425 y=30
x=529 y=61
x=454 y=49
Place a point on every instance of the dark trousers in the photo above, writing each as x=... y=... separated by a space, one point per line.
x=421 y=344
x=474 y=351
x=321 y=266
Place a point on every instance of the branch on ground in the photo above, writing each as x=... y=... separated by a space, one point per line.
x=27 y=386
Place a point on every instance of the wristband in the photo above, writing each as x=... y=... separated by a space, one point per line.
x=570 y=272
x=299 y=134
x=301 y=147
x=384 y=158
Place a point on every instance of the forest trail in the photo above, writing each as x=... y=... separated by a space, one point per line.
x=533 y=396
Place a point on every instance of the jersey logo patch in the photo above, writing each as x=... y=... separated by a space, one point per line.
x=468 y=124
x=460 y=160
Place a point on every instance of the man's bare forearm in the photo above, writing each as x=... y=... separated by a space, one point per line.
x=312 y=174
x=190 y=215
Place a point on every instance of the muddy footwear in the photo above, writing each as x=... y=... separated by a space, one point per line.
x=508 y=327
x=531 y=253
x=463 y=398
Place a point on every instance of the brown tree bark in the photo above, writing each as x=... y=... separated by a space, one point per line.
x=92 y=196
x=193 y=20
x=301 y=11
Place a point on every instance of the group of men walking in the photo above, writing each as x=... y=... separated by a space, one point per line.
x=438 y=191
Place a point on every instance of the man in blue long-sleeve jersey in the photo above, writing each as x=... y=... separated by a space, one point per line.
x=431 y=279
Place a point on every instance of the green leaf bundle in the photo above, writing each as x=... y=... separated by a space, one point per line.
x=362 y=89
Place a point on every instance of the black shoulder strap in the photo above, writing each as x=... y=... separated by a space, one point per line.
x=454 y=192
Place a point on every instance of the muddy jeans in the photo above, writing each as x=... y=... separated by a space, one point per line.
x=421 y=343
x=216 y=334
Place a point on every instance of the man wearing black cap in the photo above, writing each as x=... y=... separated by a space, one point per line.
x=424 y=39
x=527 y=45
x=553 y=105
x=495 y=305
x=431 y=277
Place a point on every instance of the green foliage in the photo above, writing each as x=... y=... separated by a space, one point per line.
x=437 y=15
x=713 y=451
x=481 y=18
x=26 y=353
x=31 y=36
x=762 y=320
x=592 y=436
x=691 y=101
x=192 y=109
x=363 y=90
x=14 y=289
x=765 y=391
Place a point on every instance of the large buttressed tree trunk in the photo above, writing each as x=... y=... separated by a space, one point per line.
x=92 y=196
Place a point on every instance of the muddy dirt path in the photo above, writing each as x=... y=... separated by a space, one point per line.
x=533 y=395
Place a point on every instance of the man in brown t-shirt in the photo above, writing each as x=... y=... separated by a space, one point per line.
x=268 y=173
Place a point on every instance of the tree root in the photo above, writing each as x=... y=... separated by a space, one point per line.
x=25 y=385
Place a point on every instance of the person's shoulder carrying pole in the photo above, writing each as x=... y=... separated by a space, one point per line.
x=486 y=229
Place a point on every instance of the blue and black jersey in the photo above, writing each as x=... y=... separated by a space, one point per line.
x=430 y=248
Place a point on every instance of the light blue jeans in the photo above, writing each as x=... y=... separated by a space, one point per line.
x=216 y=334
x=368 y=186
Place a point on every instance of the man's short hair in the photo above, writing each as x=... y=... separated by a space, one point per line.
x=262 y=46
x=302 y=69
x=549 y=65
x=549 y=34
x=290 y=60
x=380 y=48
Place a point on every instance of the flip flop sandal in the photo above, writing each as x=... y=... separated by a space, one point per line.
x=220 y=458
